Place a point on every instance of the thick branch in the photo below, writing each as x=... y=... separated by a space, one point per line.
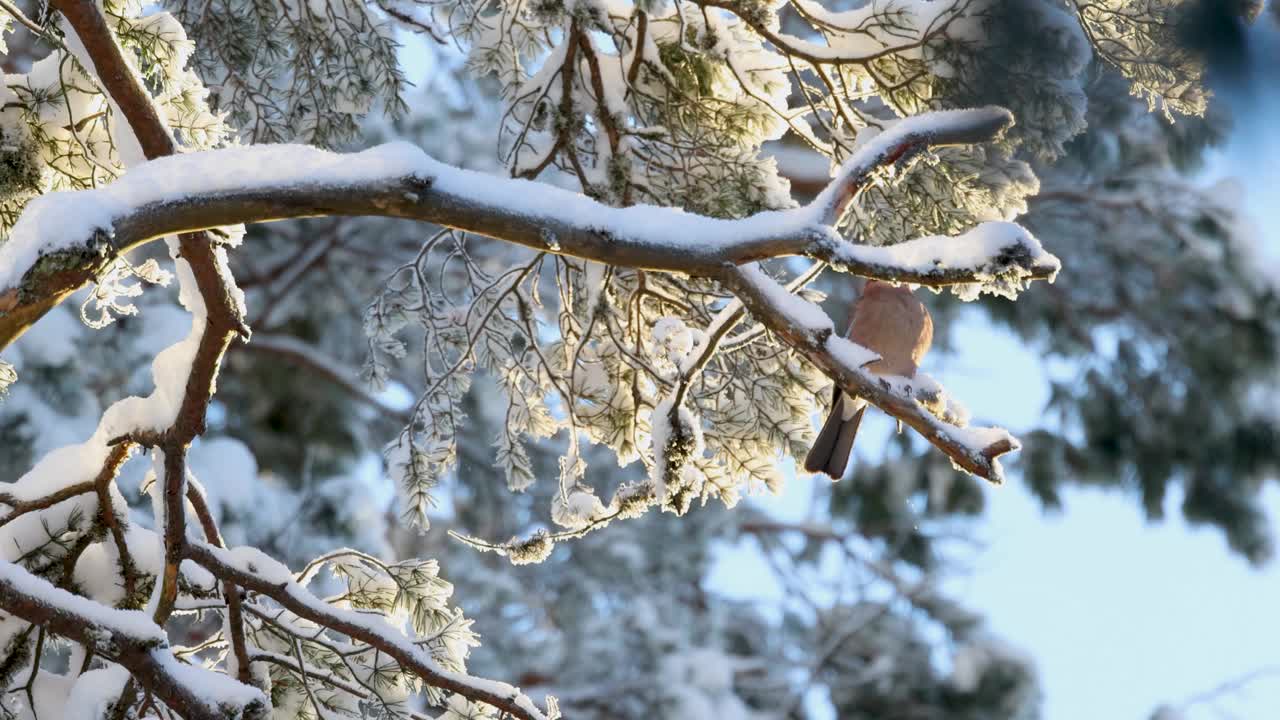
x=256 y=184
x=277 y=583
x=222 y=320
x=129 y=638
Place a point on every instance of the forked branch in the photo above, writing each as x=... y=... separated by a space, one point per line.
x=199 y=191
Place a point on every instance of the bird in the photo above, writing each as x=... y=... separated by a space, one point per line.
x=890 y=321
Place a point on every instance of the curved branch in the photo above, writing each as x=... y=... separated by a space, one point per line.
x=64 y=240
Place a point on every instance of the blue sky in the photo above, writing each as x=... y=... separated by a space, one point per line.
x=1120 y=615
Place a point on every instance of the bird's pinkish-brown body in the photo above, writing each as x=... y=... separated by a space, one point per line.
x=891 y=322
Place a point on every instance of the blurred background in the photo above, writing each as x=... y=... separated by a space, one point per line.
x=1126 y=570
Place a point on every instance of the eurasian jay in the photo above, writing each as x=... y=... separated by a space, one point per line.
x=891 y=322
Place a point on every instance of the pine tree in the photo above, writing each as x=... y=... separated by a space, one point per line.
x=684 y=348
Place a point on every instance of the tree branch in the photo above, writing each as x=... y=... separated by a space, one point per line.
x=129 y=638
x=274 y=581
x=116 y=525
x=222 y=318
x=22 y=507
x=117 y=77
x=198 y=191
x=230 y=593
x=805 y=328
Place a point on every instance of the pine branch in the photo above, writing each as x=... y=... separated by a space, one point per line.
x=974 y=450
x=222 y=321
x=129 y=638
x=400 y=181
x=282 y=588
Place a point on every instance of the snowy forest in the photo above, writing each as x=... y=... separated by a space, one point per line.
x=417 y=359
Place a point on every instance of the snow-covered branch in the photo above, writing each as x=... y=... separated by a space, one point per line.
x=997 y=257
x=252 y=570
x=65 y=239
x=849 y=40
x=808 y=330
x=902 y=141
x=129 y=638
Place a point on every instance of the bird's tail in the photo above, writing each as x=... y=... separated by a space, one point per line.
x=830 y=452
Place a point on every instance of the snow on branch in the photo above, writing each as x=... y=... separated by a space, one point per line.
x=995 y=257
x=972 y=449
x=853 y=37
x=903 y=140
x=63 y=240
x=130 y=638
x=254 y=571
